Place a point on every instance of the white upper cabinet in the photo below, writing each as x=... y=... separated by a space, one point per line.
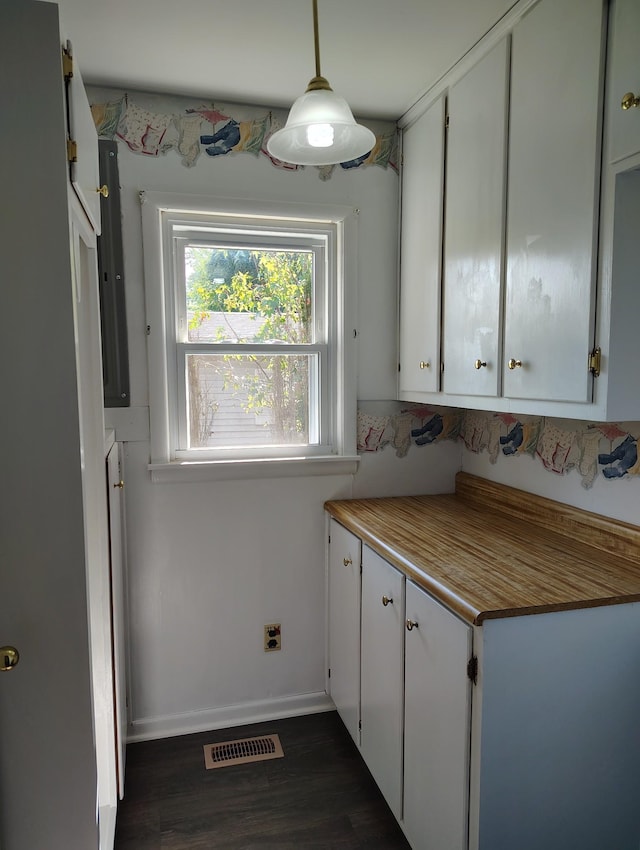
x=539 y=299
x=474 y=227
x=82 y=142
x=421 y=251
x=553 y=194
x=624 y=79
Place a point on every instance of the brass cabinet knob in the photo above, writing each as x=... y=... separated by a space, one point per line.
x=119 y=485
x=103 y=190
x=9 y=657
x=347 y=561
x=514 y=364
x=387 y=600
x=411 y=625
x=480 y=363
x=630 y=100
x=424 y=364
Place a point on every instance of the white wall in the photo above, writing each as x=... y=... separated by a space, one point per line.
x=211 y=563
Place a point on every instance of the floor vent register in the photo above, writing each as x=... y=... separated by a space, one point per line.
x=243 y=751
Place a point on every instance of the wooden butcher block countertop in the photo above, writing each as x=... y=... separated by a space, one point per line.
x=491 y=551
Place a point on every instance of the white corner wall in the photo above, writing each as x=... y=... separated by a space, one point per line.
x=209 y=564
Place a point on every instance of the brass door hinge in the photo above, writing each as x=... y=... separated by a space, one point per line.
x=446 y=122
x=72 y=150
x=67 y=63
x=595 y=359
x=472 y=669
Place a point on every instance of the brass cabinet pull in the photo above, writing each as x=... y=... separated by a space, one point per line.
x=514 y=364
x=9 y=657
x=630 y=100
x=347 y=561
x=103 y=190
x=411 y=625
x=387 y=600
x=480 y=363
x=425 y=364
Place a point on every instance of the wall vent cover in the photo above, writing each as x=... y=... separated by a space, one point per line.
x=243 y=751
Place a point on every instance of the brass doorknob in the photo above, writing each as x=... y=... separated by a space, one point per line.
x=119 y=485
x=514 y=364
x=387 y=600
x=9 y=657
x=411 y=625
x=347 y=561
x=424 y=364
x=103 y=190
x=480 y=363
x=630 y=100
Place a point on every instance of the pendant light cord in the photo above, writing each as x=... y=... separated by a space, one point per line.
x=316 y=37
x=318 y=82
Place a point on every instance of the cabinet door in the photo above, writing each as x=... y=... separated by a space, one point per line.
x=554 y=151
x=624 y=77
x=382 y=675
x=84 y=169
x=437 y=724
x=474 y=227
x=420 y=252
x=344 y=625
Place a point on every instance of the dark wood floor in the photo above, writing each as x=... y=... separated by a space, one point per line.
x=320 y=796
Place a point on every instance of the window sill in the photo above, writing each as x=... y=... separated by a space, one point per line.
x=246 y=470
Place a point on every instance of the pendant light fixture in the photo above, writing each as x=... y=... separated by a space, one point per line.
x=320 y=129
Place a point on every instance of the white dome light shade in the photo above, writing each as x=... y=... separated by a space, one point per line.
x=320 y=130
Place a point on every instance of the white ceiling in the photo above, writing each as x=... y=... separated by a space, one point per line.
x=379 y=54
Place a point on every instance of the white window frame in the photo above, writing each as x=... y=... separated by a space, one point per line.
x=333 y=231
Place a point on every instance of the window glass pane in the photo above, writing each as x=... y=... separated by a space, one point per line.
x=243 y=295
x=251 y=400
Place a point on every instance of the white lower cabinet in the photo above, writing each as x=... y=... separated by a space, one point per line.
x=520 y=732
x=344 y=625
x=415 y=702
x=382 y=675
x=437 y=720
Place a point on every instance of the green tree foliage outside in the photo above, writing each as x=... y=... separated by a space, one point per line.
x=275 y=289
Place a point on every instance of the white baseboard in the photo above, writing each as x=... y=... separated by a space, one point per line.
x=150 y=728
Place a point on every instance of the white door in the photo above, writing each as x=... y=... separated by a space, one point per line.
x=94 y=493
x=344 y=625
x=421 y=251
x=115 y=485
x=382 y=675
x=48 y=794
x=624 y=79
x=474 y=227
x=437 y=724
x=552 y=209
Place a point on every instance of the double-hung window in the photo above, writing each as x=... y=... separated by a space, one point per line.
x=247 y=339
